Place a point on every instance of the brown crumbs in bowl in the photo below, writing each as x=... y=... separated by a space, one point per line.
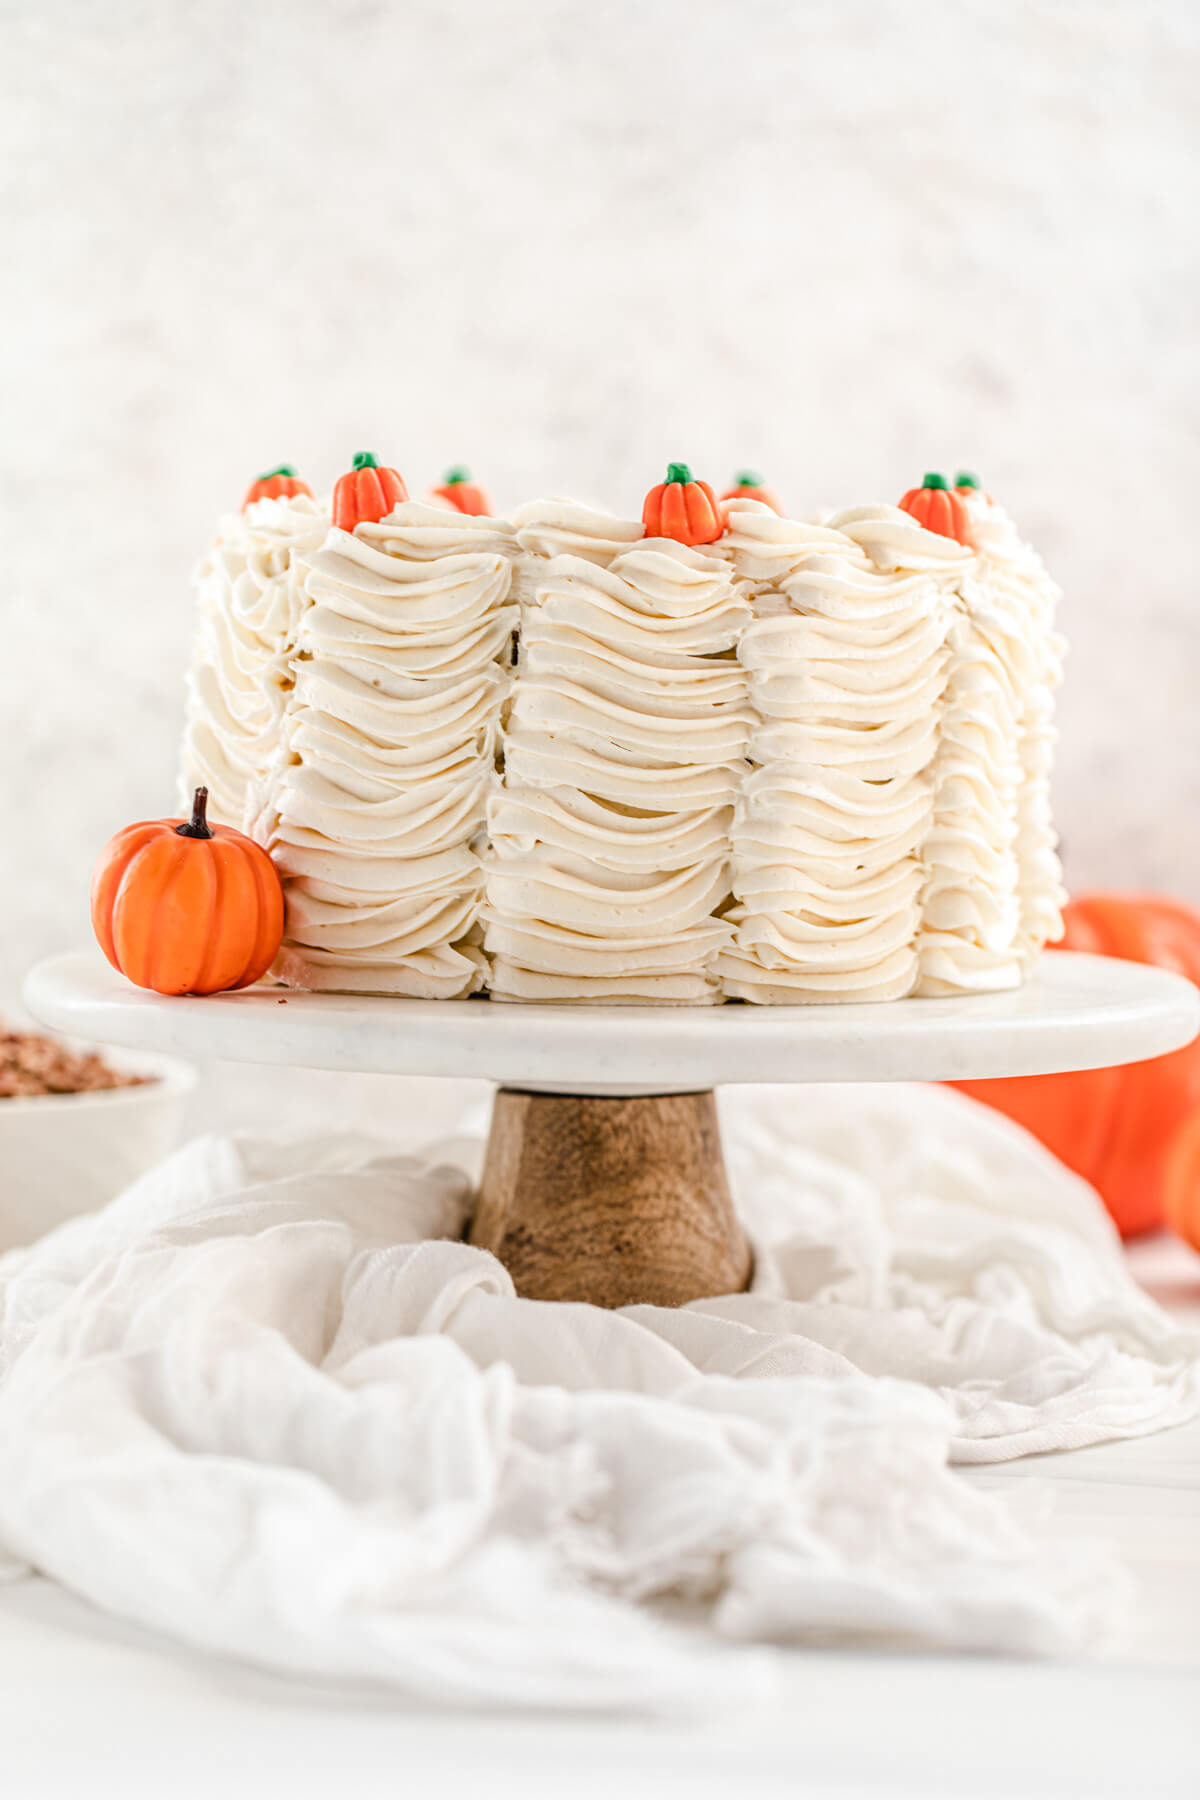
x=31 y=1065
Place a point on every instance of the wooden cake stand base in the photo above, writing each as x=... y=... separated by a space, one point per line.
x=604 y=1180
x=618 y=1202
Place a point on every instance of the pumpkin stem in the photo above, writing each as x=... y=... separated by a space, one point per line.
x=283 y=469
x=678 y=472
x=934 y=481
x=197 y=826
x=457 y=475
x=365 y=460
x=748 y=478
x=964 y=478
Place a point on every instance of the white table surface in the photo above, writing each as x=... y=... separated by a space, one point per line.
x=92 y=1708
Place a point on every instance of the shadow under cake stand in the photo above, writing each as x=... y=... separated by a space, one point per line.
x=604 y=1179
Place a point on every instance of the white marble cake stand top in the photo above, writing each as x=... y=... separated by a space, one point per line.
x=1077 y=1012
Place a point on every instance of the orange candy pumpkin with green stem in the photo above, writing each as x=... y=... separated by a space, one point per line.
x=1117 y=1127
x=282 y=483
x=938 y=507
x=749 y=486
x=460 y=492
x=366 y=493
x=184 y=907
x=683 y=508
x=967 y=485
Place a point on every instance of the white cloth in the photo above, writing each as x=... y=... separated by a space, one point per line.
x=267 y=1404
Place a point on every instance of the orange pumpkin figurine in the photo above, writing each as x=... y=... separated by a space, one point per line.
x=938 y=507
x=460 y=492
x=277 y=484
x=366 y=493
x=749 y=486
x=683 y=509
x=185 y=907
x=1118 y=1128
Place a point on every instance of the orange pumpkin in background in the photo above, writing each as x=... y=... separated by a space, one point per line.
x=366 y=493
x=1181 y=1181
x=460 y=492
x=277 y=484
x=184 y=907
x=749 y=486
x=938 y=507
x=1121 y=1128
x=683 y=508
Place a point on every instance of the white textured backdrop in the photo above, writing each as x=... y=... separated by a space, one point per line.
x=846 y=242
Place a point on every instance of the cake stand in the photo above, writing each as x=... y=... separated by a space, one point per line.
x=604 y=1179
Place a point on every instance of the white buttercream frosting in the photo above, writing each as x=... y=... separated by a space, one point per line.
x=846 y=663
x=895 y=833
x=375 y=811
x=609 y=841
x=249 y=591
x=1012 y=574
x=548 y=528
x=809 y=762
x=765 y=546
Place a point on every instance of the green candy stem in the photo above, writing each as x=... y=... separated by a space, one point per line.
x=197 y=826
x=679 y=472
x=456 y=476
x=283 y=469
x=934 y=481
x=964 y=478
x=364 y=460
x=748 y=478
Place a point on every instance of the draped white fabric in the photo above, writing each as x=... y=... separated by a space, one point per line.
x=267 y=1403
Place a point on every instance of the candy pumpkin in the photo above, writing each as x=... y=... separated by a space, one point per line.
x=1116 y=1127
x=967 y=484
x=749 y=486
x=366 y=493
x=683 y=509
x=937 y=507
x=277 y=484
x=185 y=907
x=460 y=492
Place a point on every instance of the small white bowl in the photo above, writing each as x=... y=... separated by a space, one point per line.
x=63 y=1154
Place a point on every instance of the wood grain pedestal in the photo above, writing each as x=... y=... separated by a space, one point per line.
x=615 y=1202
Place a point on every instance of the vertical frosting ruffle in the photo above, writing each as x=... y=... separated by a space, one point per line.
x=846 y=662
x=375 y=810
x=249 y=592
x=609 y=841
x=993 y=882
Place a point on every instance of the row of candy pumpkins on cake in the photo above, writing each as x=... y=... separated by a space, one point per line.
x=681 y=507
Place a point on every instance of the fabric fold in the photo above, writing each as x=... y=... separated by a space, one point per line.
x=269 y=1403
